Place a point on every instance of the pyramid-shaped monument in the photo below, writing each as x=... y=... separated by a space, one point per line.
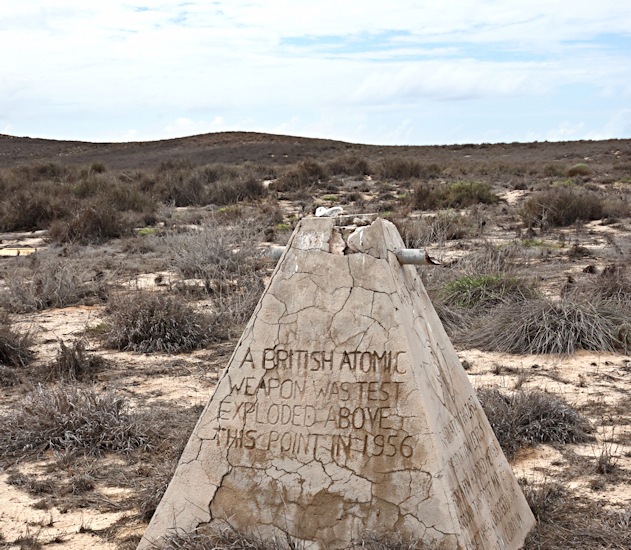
x=344 y=410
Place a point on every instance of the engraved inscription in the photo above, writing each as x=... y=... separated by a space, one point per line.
x=284 y=402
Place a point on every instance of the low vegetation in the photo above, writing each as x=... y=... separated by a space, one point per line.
x=561 y=206
x=526 y=418
x=151 y=321
x=486 y=291
x=52 y=283
x=545 y=326
x=521 y=272
x=71 y=419
x=74 y=363
x=15 y=345
x=459 y=194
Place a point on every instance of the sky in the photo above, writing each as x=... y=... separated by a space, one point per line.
x=401 y=72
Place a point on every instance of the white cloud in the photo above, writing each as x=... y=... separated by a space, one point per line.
x=164 y=60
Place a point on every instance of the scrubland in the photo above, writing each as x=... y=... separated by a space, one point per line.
x=113 y=333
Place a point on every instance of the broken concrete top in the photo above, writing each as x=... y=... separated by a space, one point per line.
x=344 y=409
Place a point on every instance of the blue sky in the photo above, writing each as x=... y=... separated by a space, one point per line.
x=401 y=72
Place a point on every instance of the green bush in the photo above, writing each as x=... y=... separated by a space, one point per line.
x=486 y=291
x=580 y=169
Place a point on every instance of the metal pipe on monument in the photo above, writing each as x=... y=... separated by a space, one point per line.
x=406 y=256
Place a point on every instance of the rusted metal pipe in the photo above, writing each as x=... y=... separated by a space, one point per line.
x=414 y=256
x=406 y=256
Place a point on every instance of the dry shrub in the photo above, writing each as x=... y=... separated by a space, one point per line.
x=35 y=206
x=71 y=419
x=54 y=283
x=348 y=165
x=233 y=309
x=398 y=168
x=446 y=225
x=544 y=326
x=74 y=363
x=152 y=321
x=570 y=522
x=455 y=320
x=486 y=291
x=488 y=259
x=527 y=418
x=15 y=346
x=226 y=538
x=230 y=191
x=92 y=224
x=44 y=171
x=612 y=284
x=561 y=206
x=389 y=541
x=219 y=255
x=460 y=194
x=306 y=173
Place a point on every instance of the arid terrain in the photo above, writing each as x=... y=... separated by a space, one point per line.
x=127 y=273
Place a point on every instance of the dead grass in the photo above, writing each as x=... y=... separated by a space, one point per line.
x=545 y=326
x=92 y=224
x=155 y=322
x=52 y=282
x=566 y=521
x=445 y=225
x=15 y=346
x=70 y=419
x=526 y=418
x=74 y=363
x=228 y=538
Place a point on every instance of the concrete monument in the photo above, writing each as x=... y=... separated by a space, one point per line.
x=344 y=409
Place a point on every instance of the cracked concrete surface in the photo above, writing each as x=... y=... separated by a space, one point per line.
x=344 y=409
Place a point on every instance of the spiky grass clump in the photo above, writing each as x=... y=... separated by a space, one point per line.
x=53 y=283
x=15 y=346
x=151 y=321
x=543 y=326
x=527 y=418
x=71 y=419
x=570 y=522
x=486 y=291
x=445 y=225
x=74 y=362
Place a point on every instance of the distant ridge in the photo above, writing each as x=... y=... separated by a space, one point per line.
x=239 y=147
